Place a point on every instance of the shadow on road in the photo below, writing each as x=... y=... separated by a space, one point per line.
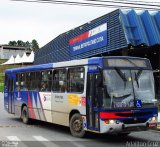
x=114 y=139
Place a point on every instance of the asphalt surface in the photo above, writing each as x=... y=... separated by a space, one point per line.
x=13 y=133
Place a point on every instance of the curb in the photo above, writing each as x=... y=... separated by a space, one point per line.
x=156 y=129
x=158 y=126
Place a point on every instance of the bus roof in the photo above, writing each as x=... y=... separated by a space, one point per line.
x=89 y=61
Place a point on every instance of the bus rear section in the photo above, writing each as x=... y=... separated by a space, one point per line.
x=9 y=93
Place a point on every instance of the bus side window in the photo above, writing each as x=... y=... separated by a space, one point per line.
x=38 y=80
x=49 y=80
x=75 y=79
x=59 y=80
x=33 y=80
x=46 y=81
x=28 y=79
x=17 y=82
x=23 y=81
x=6 y=82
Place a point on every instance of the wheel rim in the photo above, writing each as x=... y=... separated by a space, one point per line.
x=24 y=115
x=77 y=125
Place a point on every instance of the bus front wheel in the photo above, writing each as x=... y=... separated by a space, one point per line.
x=76 y=125
x=25 y=115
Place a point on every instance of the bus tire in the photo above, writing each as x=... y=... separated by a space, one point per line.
x=25 y=115
x=76 y=125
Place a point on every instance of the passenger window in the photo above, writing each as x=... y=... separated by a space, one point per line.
x=33 y=80
x=59 y=80
x=17 y=82
x=46 y=81
x=22 y=82
x=6 y=80
x=75 y=79
x=38 y=80
x=28 y=81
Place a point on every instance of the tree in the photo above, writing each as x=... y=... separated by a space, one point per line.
x=12 y=43
x=20 y=43
x=29 y=45
x=34 y=45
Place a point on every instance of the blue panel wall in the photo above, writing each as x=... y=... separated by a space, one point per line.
x=141 y=28
x=123 y=28
x=58 y=49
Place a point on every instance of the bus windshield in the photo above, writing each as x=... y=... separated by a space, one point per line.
x=123 y=87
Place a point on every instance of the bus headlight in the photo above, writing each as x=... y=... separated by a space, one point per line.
x=112 y=121
x=154 y=118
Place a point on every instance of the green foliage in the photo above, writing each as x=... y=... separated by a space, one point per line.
x=1 y=87
x=29 y=45
x=12 y=43
x=1 y=82
x=35 y=45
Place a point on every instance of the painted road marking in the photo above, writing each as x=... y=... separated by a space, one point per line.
x=40 y=138
x=45 y=141
x=13 y=138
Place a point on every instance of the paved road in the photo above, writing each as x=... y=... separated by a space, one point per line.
x=14 y=133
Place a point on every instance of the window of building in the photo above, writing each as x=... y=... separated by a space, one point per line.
x=75 y=79
x=59 y=80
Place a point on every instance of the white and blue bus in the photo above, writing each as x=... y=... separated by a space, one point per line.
x=102 y=94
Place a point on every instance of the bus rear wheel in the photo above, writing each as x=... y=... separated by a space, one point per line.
x=76 y=125
x=25 y=115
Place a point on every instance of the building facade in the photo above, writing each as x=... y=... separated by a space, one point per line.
x=7 y=51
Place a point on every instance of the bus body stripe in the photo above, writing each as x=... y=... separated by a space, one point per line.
x=43 y=114
x=111 y=115
x=30 y=106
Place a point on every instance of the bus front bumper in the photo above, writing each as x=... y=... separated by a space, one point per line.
x=121 y=127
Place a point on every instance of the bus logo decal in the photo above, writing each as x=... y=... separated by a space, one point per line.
x=83 y=101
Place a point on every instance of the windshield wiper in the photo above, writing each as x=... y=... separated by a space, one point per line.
x=137 y=75
x=122 y=76
x=124 y=96
x=132 y=62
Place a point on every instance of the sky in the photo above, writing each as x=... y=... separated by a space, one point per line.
x=43 y=22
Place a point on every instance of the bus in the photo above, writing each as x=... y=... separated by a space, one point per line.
x=113 y=94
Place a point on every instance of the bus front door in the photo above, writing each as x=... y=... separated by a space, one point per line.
x=11 y=95
x=92 y=103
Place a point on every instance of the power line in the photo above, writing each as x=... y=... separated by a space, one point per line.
x=141 y=1
x=87 y=4
x=124 y=2
x=138 y=1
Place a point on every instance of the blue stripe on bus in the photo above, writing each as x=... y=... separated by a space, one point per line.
x=30 y=68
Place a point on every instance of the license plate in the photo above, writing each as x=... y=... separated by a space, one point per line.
x=152 y=125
